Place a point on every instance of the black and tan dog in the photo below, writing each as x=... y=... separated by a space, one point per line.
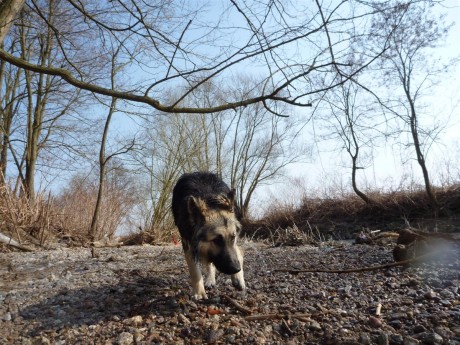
x=204 y=211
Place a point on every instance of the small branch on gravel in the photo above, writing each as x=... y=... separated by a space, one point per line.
x=238 y=306
x=362 y=269
x=301 y=317
x=378 y=309
x=407 y=236
x=10 y=242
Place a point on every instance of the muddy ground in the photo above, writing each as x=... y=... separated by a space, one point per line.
x=140 y=295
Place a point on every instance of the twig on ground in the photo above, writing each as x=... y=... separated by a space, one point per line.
x=378 y=309
x=10 y=242
x=360 y=269
x=238 y=306
x=301 y=317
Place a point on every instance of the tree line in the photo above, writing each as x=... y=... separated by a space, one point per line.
x=125 y=96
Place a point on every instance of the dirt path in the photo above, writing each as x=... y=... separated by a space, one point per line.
x=140 y=295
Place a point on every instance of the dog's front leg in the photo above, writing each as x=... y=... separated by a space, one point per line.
x=210 y=275
x=196 y=276
x=238 y=278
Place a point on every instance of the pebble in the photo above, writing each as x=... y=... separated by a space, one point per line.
x=214 y=335
x=419 y=329
x=430 y=294
x=6 y=317
x=375 y=322
x=382 y=339
x=410 y=341
x=183 y=319
x=429 y=338
x=398 y=316
x=314 y=326
x=125 y=338
x=364 y=338
x=396 y=339
x=133 y=321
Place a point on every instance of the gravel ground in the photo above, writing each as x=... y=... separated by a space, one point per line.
x=140 y=295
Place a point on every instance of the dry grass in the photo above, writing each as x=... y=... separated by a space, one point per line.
x=27 y=222
x=67 y=218
x=341 y=218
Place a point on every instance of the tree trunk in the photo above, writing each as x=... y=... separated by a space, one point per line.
x=358 y=192
x=94 y=230
x=9 y=9
x=421 y=160
x=418 y=151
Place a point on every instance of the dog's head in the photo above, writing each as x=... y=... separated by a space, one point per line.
x=216 y=232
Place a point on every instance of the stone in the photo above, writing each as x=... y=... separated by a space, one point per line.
x=125 y=338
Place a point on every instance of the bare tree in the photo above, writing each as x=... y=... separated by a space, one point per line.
x=413 y=33
x=352 y=122
x=47 y=99
x=247 y=147
x=168 y=147
x=105 y=158
x=10 y=93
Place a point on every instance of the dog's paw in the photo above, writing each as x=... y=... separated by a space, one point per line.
x=209 y=283
x=199 y=297
x=238 y=281
x=199 y=294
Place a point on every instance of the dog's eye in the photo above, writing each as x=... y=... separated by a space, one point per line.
x=219 y=240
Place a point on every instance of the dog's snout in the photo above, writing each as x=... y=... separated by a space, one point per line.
x=227 y=263
x=231 y=269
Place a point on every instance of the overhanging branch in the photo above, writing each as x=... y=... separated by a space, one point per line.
x=129 y=96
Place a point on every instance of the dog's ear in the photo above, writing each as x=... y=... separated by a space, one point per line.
x=197 y=209
x=231 y=196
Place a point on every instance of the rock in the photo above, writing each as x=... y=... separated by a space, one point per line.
x=429 y=338
x=410 y=341
x=375 y=322
x=314 y=326
x=125 y=338
x=382 y=339
x=133 y=321
x=419 y=329
x=364 y=338
x=183 y=319
x=214 y=335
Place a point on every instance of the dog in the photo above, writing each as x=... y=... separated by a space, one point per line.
x=204 y=211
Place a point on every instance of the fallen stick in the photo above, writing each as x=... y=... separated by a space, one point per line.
x=360 y=269
x=302 y=317
x=236 y=305
x=10 y=242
